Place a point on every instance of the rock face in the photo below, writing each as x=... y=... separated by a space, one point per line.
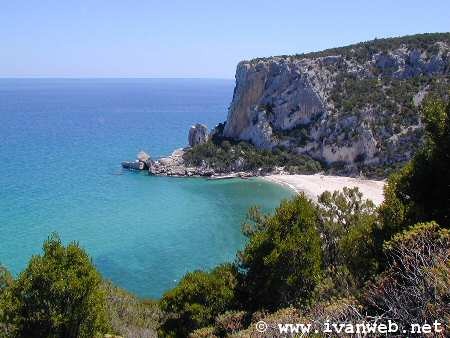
x=198 y=134
x=350 y=105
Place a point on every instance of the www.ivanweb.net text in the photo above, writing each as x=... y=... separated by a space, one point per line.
x=389 y=327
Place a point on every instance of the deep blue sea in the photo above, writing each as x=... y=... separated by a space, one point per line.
x=61 y=144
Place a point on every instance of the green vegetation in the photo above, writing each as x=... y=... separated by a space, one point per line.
x=347 y=225
x=198 y=299
x=59 y=294
x=420 y=191
x=289 y=235
x=130 y=316
x=225 y=155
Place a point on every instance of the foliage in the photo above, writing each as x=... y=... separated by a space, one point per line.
x=346 y=228
x=130 y=316
x=59 y=294
x=204 y=332
x=420 y=191
x=225 y=155
x=347 y=221
x=197 y=300
x=415 y=287
x=230 y=322
x=364 y=50
x=282 y=261
x=6 y=279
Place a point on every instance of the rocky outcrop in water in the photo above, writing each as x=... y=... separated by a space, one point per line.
x=349 y=106
x=142 y=162
x=198 y=134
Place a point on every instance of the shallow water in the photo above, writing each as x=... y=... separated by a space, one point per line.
x=61 y=144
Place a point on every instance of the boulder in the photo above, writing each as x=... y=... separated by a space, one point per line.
x=143 y=162
x=198 y=134
x=145 y=158
x=142 y=156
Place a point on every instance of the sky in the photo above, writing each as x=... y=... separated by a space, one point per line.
x=191 y=38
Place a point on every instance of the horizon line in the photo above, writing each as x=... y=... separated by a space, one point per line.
x=110 y=78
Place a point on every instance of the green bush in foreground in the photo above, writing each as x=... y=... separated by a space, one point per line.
x=198 y=299
x=282 y=262
x=59 y=294
x=130 y=316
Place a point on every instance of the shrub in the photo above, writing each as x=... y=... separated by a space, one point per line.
x=420 y=191
x=59 y=294
x=282 y=262
x=230 y=322
x=6 y=279
x=346 y=227
x=414 y=288
x=130 y=316
x=197 y=300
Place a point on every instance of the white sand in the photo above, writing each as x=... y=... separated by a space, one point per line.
x=314 y=185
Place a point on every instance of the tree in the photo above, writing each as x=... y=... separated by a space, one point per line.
x=346 y=227
x=59 y=294
x=420 y=191
x=6 y=279
x=282 y=262
x=197 y=299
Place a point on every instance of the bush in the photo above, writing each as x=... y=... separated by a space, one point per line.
x=414 y=288
x=130 y=316
x=420 y=191
x=346 y=228
x=282 y=262
x=6 y=279
x=59 y=294
x=197 y=300
x=230 y=322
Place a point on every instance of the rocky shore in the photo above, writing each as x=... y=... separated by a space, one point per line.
x=174 y=165
x=312 y=185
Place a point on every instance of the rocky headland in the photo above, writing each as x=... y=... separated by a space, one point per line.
x=349 y=111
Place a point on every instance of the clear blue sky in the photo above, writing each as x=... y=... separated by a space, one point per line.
x=189 y=38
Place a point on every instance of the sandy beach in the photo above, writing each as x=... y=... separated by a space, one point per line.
x=314 y=185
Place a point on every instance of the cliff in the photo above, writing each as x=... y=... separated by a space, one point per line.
x=352 y=106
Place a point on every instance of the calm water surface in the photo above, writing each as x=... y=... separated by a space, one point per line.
x=61 y=144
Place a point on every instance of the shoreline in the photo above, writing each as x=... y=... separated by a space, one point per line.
x=314 y=185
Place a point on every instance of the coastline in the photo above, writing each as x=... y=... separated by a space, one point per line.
x=314 y=185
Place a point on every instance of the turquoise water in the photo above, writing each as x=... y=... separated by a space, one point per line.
x=61 y=144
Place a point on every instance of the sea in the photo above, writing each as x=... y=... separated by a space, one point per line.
x=61 y=145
